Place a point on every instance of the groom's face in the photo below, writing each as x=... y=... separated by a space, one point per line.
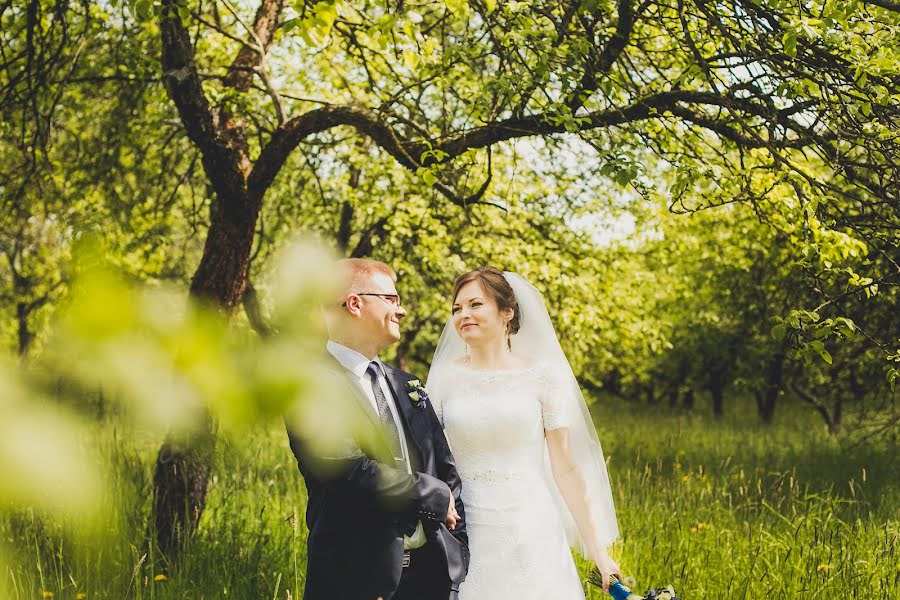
x=378 y=316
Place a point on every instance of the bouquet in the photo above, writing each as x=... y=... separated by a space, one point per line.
x=619 y=592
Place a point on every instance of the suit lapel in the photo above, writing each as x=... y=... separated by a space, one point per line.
x=397 y=382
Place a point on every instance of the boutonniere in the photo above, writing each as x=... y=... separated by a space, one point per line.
x=416 y=392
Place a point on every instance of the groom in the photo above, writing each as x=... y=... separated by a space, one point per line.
x=385 y=519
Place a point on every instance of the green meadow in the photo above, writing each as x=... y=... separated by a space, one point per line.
x=718 y=509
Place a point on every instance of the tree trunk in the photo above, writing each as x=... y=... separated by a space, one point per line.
x=183 y=464
x=676 y=386
x=837 y=416
x=718 y=398
x=688 y=400
x=612 y=383
x=765 y=404
x=254 y=312
x=180 y=482
x=345 y=227
x=832 y=417
x=768 y=396
x=650 y=393
x=25 y=334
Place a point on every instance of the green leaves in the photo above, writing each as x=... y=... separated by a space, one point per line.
x=622 y=168
x=459 y=7
x=843 y=326
x=778 y=331
x=43 y=461
x=789 y=41
x=427 y=175
x=815 y=235
x=685 y=177
x=804 y=330
x=315 y=27
x=819 y=348
x=432 y=155
x=142 y=9
x=893 y=372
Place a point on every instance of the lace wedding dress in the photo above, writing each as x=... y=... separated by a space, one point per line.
x=495 y=422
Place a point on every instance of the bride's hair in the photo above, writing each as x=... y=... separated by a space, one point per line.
x=494 y=284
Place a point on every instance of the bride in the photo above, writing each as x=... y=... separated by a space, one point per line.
x=534 y=478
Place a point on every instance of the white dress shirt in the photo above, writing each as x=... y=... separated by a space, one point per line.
x=357 y=364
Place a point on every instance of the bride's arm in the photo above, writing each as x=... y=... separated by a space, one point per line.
x=571 y=484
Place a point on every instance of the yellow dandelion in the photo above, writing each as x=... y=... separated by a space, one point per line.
x=824 y=567
x=693 y=530
x=686 y=477
x=46 y=594
x=160 y=577
x=80 y=596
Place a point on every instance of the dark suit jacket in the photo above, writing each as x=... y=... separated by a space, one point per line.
x=360 y=506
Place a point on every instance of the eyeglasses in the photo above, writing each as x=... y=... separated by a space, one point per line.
x=392 y=299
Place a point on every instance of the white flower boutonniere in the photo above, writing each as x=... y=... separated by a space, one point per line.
x=416 y=392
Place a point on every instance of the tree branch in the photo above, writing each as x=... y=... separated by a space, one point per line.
x=223 y=160
x=608 y=55
x=182 y=80
x=408 y=152
x=885 y=4
x=251 y=56
x=286 y=138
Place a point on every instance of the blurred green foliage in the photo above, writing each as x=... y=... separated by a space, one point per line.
x=165 y=364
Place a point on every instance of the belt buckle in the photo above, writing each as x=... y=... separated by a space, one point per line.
x=406 y=559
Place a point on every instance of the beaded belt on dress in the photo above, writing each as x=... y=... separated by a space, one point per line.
x=490 y=475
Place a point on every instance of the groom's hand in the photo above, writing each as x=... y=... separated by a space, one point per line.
x=452 y=515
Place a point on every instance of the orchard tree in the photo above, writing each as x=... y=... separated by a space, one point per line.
x=730 y=291
x=87 y=145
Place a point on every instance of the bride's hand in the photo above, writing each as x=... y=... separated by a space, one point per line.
x=607 y=567
x=452 y=515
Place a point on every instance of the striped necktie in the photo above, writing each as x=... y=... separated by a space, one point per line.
x=384 y=413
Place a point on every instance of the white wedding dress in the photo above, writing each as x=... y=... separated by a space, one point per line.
x=495 y=423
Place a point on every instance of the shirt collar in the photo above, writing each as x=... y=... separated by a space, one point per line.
x=352 y=360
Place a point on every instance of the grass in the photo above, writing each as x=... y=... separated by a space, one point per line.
x=720 y=510
x=727 y=510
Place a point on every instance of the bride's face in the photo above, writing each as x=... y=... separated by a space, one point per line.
x=476 y=316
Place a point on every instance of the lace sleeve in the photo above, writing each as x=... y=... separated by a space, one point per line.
x=554 y=408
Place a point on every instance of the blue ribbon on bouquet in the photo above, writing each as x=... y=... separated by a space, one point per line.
x=619 y=591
